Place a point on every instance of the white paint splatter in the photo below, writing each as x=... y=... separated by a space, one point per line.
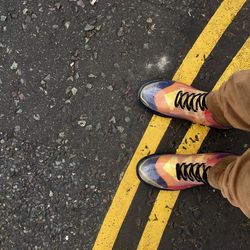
x=162 y=63
x=149 y=66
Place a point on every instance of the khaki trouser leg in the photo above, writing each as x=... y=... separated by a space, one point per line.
x=231 y=107
x=232 y=177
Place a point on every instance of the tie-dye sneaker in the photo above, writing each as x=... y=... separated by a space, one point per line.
x=176 y=99
x=177 y=172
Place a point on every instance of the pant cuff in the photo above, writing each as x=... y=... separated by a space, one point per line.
x=212 y=102
x=215 y=174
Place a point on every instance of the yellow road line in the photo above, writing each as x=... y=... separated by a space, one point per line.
x=165 y=200
x=158 y=125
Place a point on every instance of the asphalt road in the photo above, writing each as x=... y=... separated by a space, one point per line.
x=70 y=119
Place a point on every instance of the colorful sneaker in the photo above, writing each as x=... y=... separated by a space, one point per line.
x=176 y=99
x=177 y=172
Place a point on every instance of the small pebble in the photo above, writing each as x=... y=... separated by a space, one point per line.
x=98 y=27
x=3 y=18
x=36 y=117
x=146 y=46
x=89 y=27
x=82 y=123
x=149 y=20
x=127 y=108
x=112 y=120
x=74 y=91
x=47 y=78
x=14 y=66
x=120 y=32
x=34 y=16
x=19 y=72
x=93 y=2
x=110 y=87
x=71 y=78
x=127 y=119
x=58 y=6
x=67 y=24
x=92 y=76
x=61 y=134
x=80 y=3
x=25 y=11
x=120 y=129
x=76 y=76
x=24 y=26
x=17 y=128
x=89 y=127
x=89 y=86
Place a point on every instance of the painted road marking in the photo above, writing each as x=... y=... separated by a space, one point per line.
x=162 y=208
x=158 y=125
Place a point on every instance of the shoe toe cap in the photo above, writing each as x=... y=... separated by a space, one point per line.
x=146 y=170
x=148 y=92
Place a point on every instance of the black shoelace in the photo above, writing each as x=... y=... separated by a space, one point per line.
x=191 y=101
x=191 y=171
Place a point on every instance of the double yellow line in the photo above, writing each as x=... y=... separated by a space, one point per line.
x=165 y=200
x=153 y=135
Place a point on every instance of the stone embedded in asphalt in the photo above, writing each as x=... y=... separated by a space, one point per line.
x=120 y=129
x=112 y=120
x=14 y=66
x=89 y=27
x=67 y=24
x=127 y=119
x=74 y=91
x=82 y=123
x=110 y=87
x=120 y=32
x=80 y=3
x=89 y=86
x=36 y=117
x=3 y=18
x=17 y=128
x=92 y=76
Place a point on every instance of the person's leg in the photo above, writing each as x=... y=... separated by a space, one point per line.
x=232 y=176
x=230 y=107
x=230 y=104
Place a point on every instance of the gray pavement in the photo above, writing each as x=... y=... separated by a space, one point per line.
x=69 y=115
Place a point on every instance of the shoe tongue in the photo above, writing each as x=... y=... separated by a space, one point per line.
x=170 y=98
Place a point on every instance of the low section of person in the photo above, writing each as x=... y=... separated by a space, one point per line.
x=224 y=108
